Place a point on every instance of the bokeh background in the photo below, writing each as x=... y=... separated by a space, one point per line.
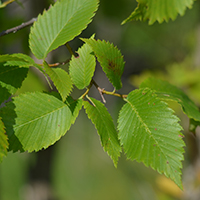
x=76 y=167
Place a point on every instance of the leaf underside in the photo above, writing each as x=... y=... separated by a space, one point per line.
x=103 y=122
x=110 y=59
x=82 y=68
x=166 y=91
x=60 y=24
x=150 y=133
x=34 y=121
x=159 y=10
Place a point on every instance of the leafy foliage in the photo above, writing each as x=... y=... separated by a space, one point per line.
x=60 y=24
x=82 y=67
x=159 y=10
x=150 y=133
x=169 y=92
x=103 y=122
x=110 y=59
x=3 y=141
x=42 y=116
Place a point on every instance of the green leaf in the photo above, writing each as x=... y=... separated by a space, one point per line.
x=103 y=122
x=150 y=133
x=61 y=23
x=75 y=106
x=61 y=80
x=3 y=141
x=11 y=79
x=110 y=59
x=159 y=10
x=166 y=91
x=19 y=59
x=81 y=68
x=35 y=120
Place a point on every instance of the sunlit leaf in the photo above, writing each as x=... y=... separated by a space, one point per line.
x=35 y=120
x=61 y=23
x=110 y=59
x=159 y=10
x=150 y=133
x=170 y=92
x=103 y=122
x=3 y=141
x=61 y=80
x=82 y=68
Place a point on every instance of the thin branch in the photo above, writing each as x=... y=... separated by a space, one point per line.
x=57 y=64
x=6 y=3
x=17 y=28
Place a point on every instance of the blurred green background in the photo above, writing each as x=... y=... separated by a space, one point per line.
x=76 y=167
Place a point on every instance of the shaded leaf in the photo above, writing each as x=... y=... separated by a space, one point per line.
x=166 y=91
x=103 y=122
x=3 y=141
x=82 y=68
x=11 y=79
x=110 y=58
x=35 y=120
x=61 y=23
x=61 y=80
x=150 y=133
x=159 y=10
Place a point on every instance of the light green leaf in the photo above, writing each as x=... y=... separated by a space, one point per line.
x=61 y=23
x=3 y=141
x=19 y=59
x=159 y=10
x=81 y=68
x=11 y=79
x=103 y=122
x=166 y=91
x=61 y=80
x=150 y=133
x=35 y=120
x=110 y=59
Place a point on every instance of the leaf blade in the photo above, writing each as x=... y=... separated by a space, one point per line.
x=105 y=128
x=150 y=133
x=60 y=24
x=3 y=141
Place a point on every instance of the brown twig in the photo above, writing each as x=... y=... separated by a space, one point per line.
x=17 y=28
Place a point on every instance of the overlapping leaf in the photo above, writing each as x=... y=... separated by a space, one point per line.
x=60 y=24
x=82 y=68
x=150 y=133
x=61 y=80
x=105 y=128
x=35 y=120
x=11 y=78
x=167 y=91
x=159 y=10
x=110 y=58
x=3 y=141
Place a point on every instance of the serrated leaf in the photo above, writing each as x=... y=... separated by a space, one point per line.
x=159 y=10
x=166 y=91
x=35 y=120
x=61 y=80
x=103 y=122
x=81 y=68
x=3 y=141
x=19 y=59
x=150 y=133
x=60 y=24
x=11 y=79
x=110 y=59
